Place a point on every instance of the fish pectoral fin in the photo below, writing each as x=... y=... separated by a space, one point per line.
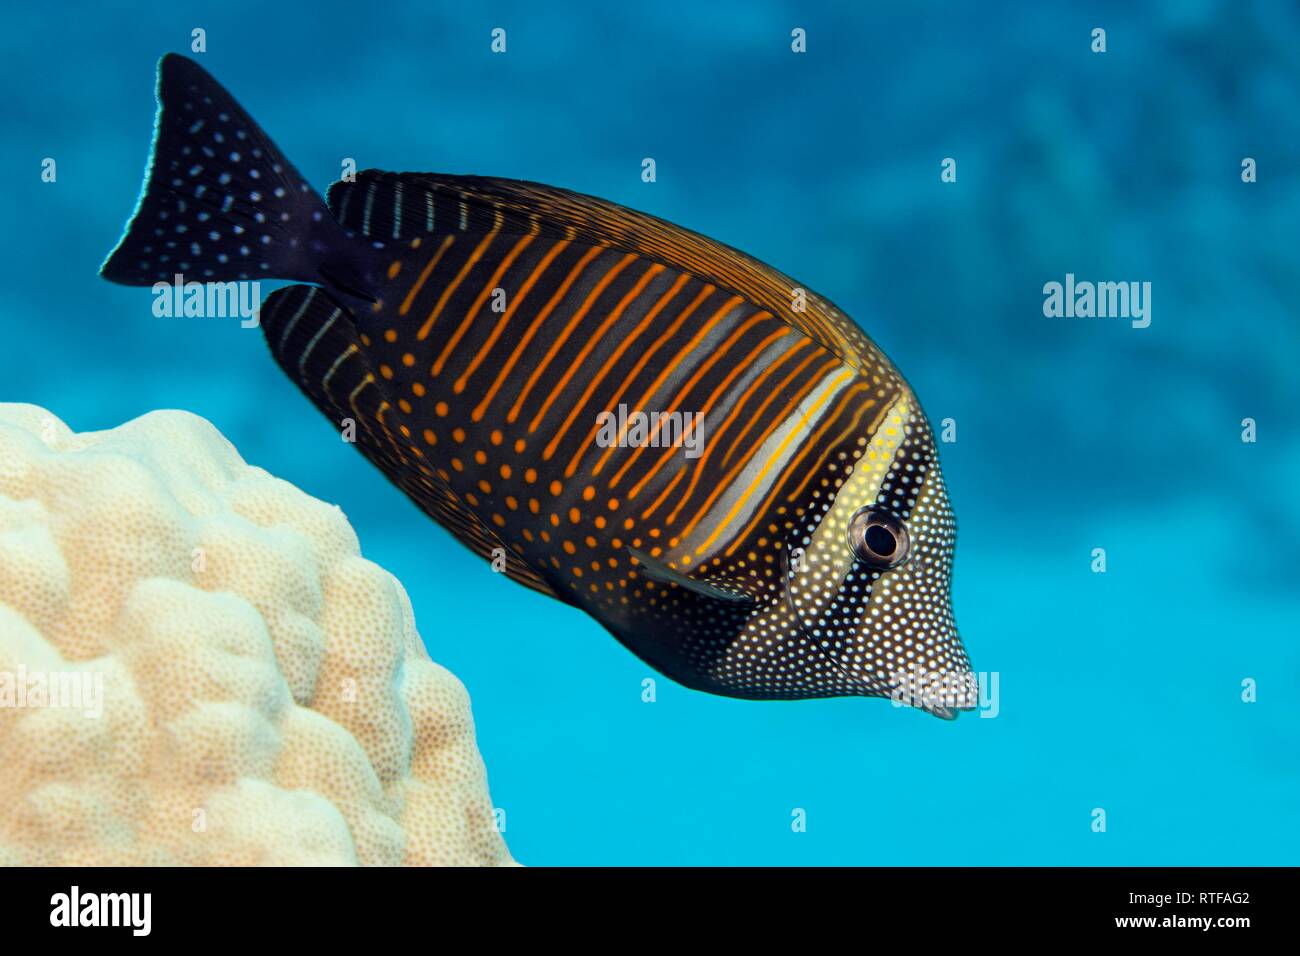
x=656 y=570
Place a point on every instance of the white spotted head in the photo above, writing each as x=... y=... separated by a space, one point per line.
x=868 y=577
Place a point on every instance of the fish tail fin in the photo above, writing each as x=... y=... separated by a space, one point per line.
x=220 y=202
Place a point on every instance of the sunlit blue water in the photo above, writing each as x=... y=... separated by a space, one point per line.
x=1119 y=691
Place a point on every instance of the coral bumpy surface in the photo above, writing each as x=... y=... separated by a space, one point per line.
x=198 y=667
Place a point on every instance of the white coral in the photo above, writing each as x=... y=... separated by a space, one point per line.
x=265 y=696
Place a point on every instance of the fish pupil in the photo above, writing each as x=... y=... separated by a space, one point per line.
x=881 y=540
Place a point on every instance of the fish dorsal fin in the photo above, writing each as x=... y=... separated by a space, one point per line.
x=313 y=339
x=391 y=206
x=656 y=570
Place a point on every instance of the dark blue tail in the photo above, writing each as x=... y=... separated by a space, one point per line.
x=220 y=201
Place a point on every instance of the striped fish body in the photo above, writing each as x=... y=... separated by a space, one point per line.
x=713 y=462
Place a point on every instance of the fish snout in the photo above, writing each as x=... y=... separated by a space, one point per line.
x=943 y=691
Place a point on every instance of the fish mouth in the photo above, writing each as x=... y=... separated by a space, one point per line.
x=945 y=694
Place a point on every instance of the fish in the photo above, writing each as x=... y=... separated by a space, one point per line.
x=708 y=458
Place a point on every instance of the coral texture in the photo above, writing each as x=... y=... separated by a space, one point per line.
x=198 y=667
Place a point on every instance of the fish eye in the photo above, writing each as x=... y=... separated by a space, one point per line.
x=879 y=539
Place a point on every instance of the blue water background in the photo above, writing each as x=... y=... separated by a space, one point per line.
x=1119 y=691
